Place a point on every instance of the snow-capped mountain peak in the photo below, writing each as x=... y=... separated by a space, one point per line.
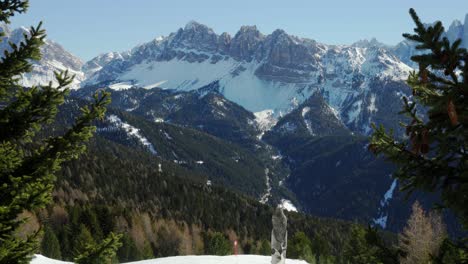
x=54 y=58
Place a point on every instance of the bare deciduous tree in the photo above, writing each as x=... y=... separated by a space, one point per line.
x=422 y=237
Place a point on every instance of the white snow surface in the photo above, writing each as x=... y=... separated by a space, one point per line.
x=389 y=194
x=39 y=259
x=265 y=119
x=239 y=259
x=382 y=214
x=178 y=74
x=288 y=205
x=121 y=86
x=267 y=194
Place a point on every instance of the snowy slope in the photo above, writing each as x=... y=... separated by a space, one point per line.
x=241 y=259
x=54 y=58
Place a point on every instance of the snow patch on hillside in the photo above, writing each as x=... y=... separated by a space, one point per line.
x=382 y=216
x=121 y=86
x=178 y=74
x=132 y=132
x=267 y=194
x=305 y=110
x=265 y=120
x=288 y=205
x=371 y=106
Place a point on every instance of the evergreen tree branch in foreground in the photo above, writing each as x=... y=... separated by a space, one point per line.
x=434 y=158
x=28 y=163
x=102 y=253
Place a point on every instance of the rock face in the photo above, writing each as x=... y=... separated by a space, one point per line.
x=279 y=237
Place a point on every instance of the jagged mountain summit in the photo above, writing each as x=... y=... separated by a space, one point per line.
x=259 y=72
x=54 y=58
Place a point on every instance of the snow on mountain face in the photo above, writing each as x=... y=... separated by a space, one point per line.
x=259 y=72
x=131 y=131
x=265 y=119
x=314 y=117
x=54 y=58
x=96 y=64
x=382 y=216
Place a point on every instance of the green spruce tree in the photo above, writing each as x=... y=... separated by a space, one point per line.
x=82 y=240
x=50 y=246
x=102 y=253
x=264 y=248
x=300 y=247
x=358 y=250
x=320 y=248
x=434 y=157
x=128 y=251
x=217 y=244
x=28 y=163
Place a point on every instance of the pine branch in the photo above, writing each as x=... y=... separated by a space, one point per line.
x=17 y=62
x=32 y=108
x=434 y=159
x=8 y=8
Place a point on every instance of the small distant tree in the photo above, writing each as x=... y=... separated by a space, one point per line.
x=82 y=240
x=168 y=243
x=422 y=237
x=358 y=250
x=217 y=244
x=128 y=251
x=264 y=248
x=27 y=163
x=300 y=247
x=320 y=248
x=249 y=248
x=50 y=246
x=147 y=251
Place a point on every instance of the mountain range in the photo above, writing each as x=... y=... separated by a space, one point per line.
x=277 y=117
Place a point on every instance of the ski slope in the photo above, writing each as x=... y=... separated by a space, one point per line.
x=240 y=259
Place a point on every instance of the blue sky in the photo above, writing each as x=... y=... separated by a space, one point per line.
x=90 y=27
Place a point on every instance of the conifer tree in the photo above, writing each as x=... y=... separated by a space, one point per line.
x=265 y=248
x=217 y=244
x=434 y=157
x=147 y=251
x=321 y=248
x=28 y=163
x=102 y=253
x=358 y=250
x=82 y=240
x=50 y=246
x=300 y=247
x=128 y=251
